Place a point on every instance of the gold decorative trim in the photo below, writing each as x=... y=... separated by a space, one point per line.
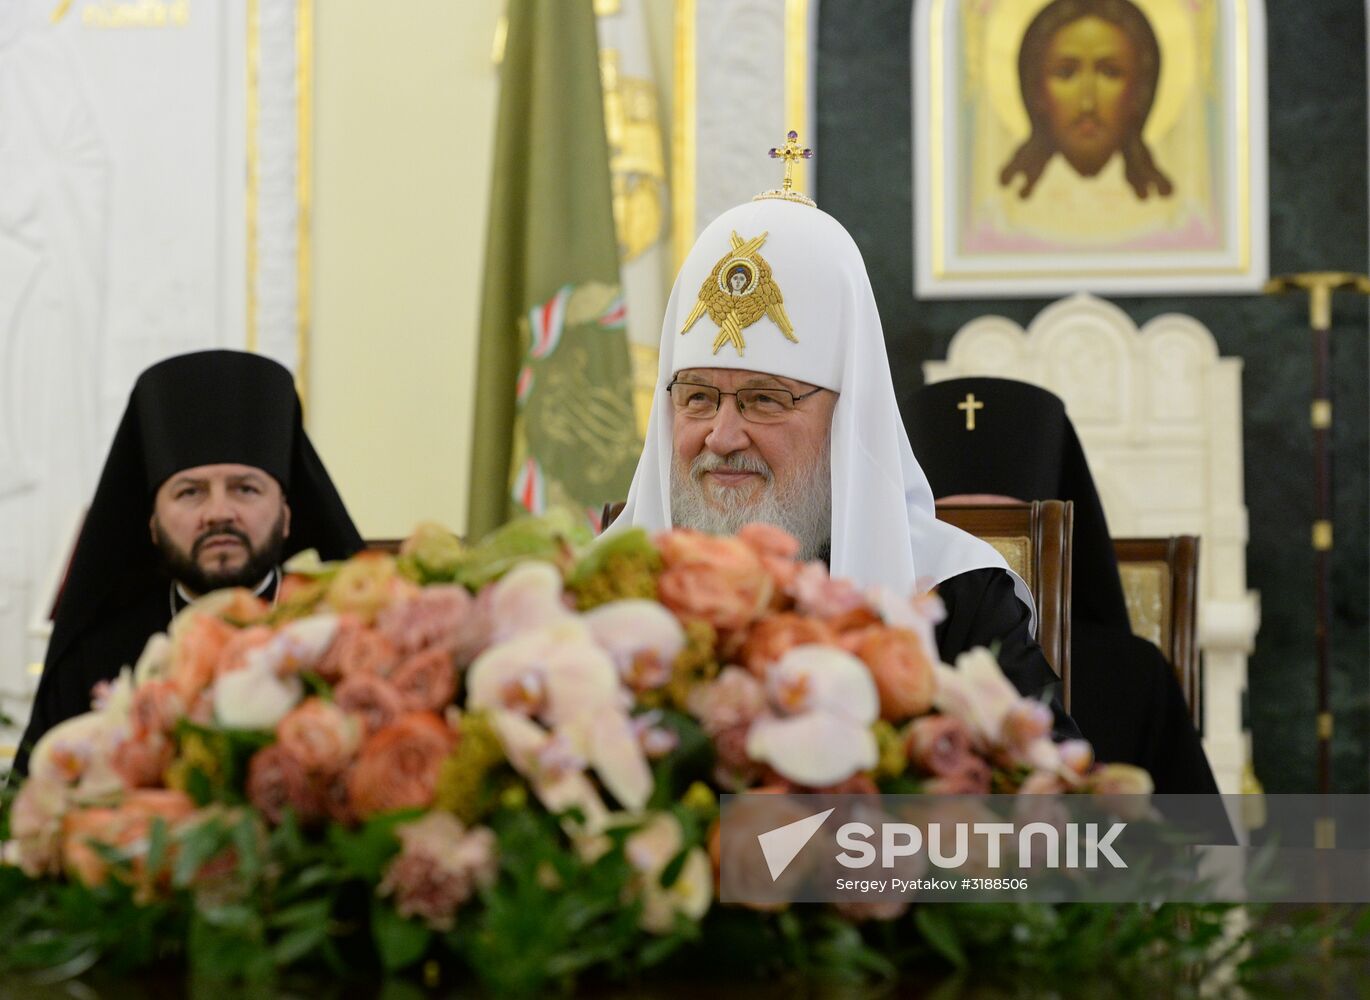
x=683 y=128
x=304 y=193
x=1320 y=414
x=1322 y=536
x=937 y=130
x=1324 y=725
x=797 y=80
x=940 y=204
x=254 y=56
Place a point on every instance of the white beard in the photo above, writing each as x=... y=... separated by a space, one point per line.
x=803 y=508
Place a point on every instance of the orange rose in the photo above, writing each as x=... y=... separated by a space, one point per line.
x=775 y=635
x=320 y=735
x=276 y=778
x=140 y=761
x=902 y=670
x=125 y=827
x=241 y=607
x=426 y=680
x=196 y=652
x=717 y=580
x=243 y=641
x=374 y=699
x=358 y=650
x=398 y=766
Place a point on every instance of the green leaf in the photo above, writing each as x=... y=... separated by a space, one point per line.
x=312 y=911
x=298 y=943
x=937 y=931
x=399 y=942
x=365 y=852
x=156 y=847
x=197 y=847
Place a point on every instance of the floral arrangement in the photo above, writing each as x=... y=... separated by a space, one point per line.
x=499 y=761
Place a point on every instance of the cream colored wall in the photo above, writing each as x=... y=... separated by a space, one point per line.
x=404 y=128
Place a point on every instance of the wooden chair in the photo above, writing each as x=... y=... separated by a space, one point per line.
x=1161 y=583
x=1035 y=540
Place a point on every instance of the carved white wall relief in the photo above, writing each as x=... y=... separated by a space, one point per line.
x=1159 y=415
x=123 y=239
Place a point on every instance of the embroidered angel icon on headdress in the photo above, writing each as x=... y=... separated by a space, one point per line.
x=738 y=292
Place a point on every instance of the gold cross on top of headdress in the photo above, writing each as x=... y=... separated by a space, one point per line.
x=790 y=152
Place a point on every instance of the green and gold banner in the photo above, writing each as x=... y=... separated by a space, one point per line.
x=554 y=413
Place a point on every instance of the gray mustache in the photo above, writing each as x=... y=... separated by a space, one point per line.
x=707 y=461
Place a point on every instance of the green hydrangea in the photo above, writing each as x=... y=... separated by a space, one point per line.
x=694 y=665
x=557 y=537
x=432 y=554
x=891 y=744
x=622 y=566
x=464 y=785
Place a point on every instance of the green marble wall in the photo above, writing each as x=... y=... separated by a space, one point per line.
x=1318 y=220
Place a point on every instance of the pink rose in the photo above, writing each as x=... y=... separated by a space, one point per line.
x=358 y=650
x=733 y=698
x=426 y=680
x=320 y=735
x=443 y=617
x=717 y=580
x=1026 y=723
x=816 y=592
x=938 y=744
x=398 y=766
x=972 y=779
x=36 y=825
x=439 y=867
x=276 y=778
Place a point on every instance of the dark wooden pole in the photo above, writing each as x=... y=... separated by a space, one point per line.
x=1320 y=285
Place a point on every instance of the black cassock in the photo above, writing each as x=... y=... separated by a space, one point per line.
x=983 y=609
x=1123 y=693
x=206 y=408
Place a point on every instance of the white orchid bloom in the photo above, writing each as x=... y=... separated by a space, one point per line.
x=649 y=851
x=155 y=661
x=557 y=675
x=526 y=599
x=977 y=692
x=257 y=696
x=824 y=703
x=533 y=753
x=642 y=637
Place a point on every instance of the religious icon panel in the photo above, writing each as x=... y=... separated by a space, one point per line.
x=1105 y=145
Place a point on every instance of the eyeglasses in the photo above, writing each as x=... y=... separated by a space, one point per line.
x=760 y=406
